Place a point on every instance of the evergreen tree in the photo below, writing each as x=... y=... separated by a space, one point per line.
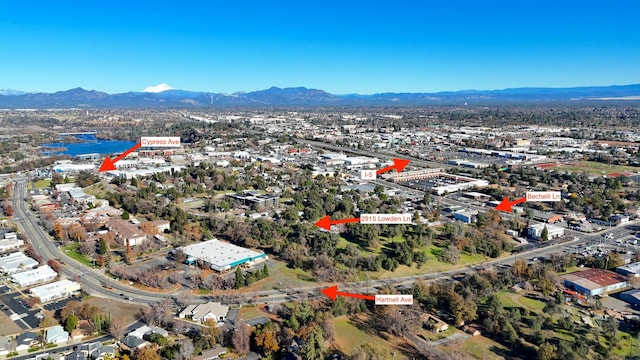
x=265 y=271
x=239 y=278
x=103 y=247
x=314 y=350
x=545 y=234
x=71 y=323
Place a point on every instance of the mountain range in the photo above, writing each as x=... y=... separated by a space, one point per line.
x=304 y=97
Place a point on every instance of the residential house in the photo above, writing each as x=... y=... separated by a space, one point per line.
x=92 y=351
x=133 y=343
x=162 y=225
x=212 y=354
x=202 y=312
x=472 y=330
x=434 y=324
x=26 y=340
x=148 y=330
x=56 y=335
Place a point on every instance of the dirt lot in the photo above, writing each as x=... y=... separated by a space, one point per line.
x=117 y=308
x=7 y=326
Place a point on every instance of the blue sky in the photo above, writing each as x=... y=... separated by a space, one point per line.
x=338 y=46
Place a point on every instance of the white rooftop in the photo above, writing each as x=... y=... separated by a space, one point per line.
x=34 y=276
x=46 y=291
x=12 y=262
x=221 y=255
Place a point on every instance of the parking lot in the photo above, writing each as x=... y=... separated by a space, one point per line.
x=13 y=304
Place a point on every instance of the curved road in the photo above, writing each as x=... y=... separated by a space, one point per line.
x=93 y=279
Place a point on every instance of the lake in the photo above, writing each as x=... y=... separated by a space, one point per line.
x=91 y=144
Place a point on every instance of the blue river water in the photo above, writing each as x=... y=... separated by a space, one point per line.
x=91 y=144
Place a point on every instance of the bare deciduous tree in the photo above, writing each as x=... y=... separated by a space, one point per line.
x=117 y=326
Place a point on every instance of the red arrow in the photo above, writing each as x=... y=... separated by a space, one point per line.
x=333 y=293
x=505 y=205
x=326 y=222
x=107 y=165
x=398 y=165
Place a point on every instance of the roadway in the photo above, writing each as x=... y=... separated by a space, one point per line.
x=92 y=280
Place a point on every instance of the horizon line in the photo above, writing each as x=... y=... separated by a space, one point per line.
x=316 y=88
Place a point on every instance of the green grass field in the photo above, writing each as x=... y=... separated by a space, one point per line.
x=250 y=312
x=72 y=250
x=511 y=300
x=98 y=190
x=281 y=276
x=595 y=168
x=432 y=265
x=41 y=184
x=479 y=347
x=348 y=337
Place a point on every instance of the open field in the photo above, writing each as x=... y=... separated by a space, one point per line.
x=594 y=168
x=7 y=326
x=193 y=204
x=250 y=312
x=432 y=265
x=349 y=336
x=126 y=310
x=512 y=300
x=479 y=347
x=41 y=184
x=98 y=190
x=281 y=276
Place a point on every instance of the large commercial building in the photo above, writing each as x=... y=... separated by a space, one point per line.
x=221 y=256
x=534 y=231
x=126 y=232
x=436 y=181
x=39 y=275
x=254 y=200
x=16 y=262
x=56 y=290
x=593 y=282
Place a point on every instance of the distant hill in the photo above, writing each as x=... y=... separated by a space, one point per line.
x=301 y=96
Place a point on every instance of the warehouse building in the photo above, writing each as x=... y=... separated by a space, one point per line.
x=632 y=269
x=593 y=282
x=56 y=290
x=16 y=262
x=221 y=256
x=39 y=275
x=632 y=297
